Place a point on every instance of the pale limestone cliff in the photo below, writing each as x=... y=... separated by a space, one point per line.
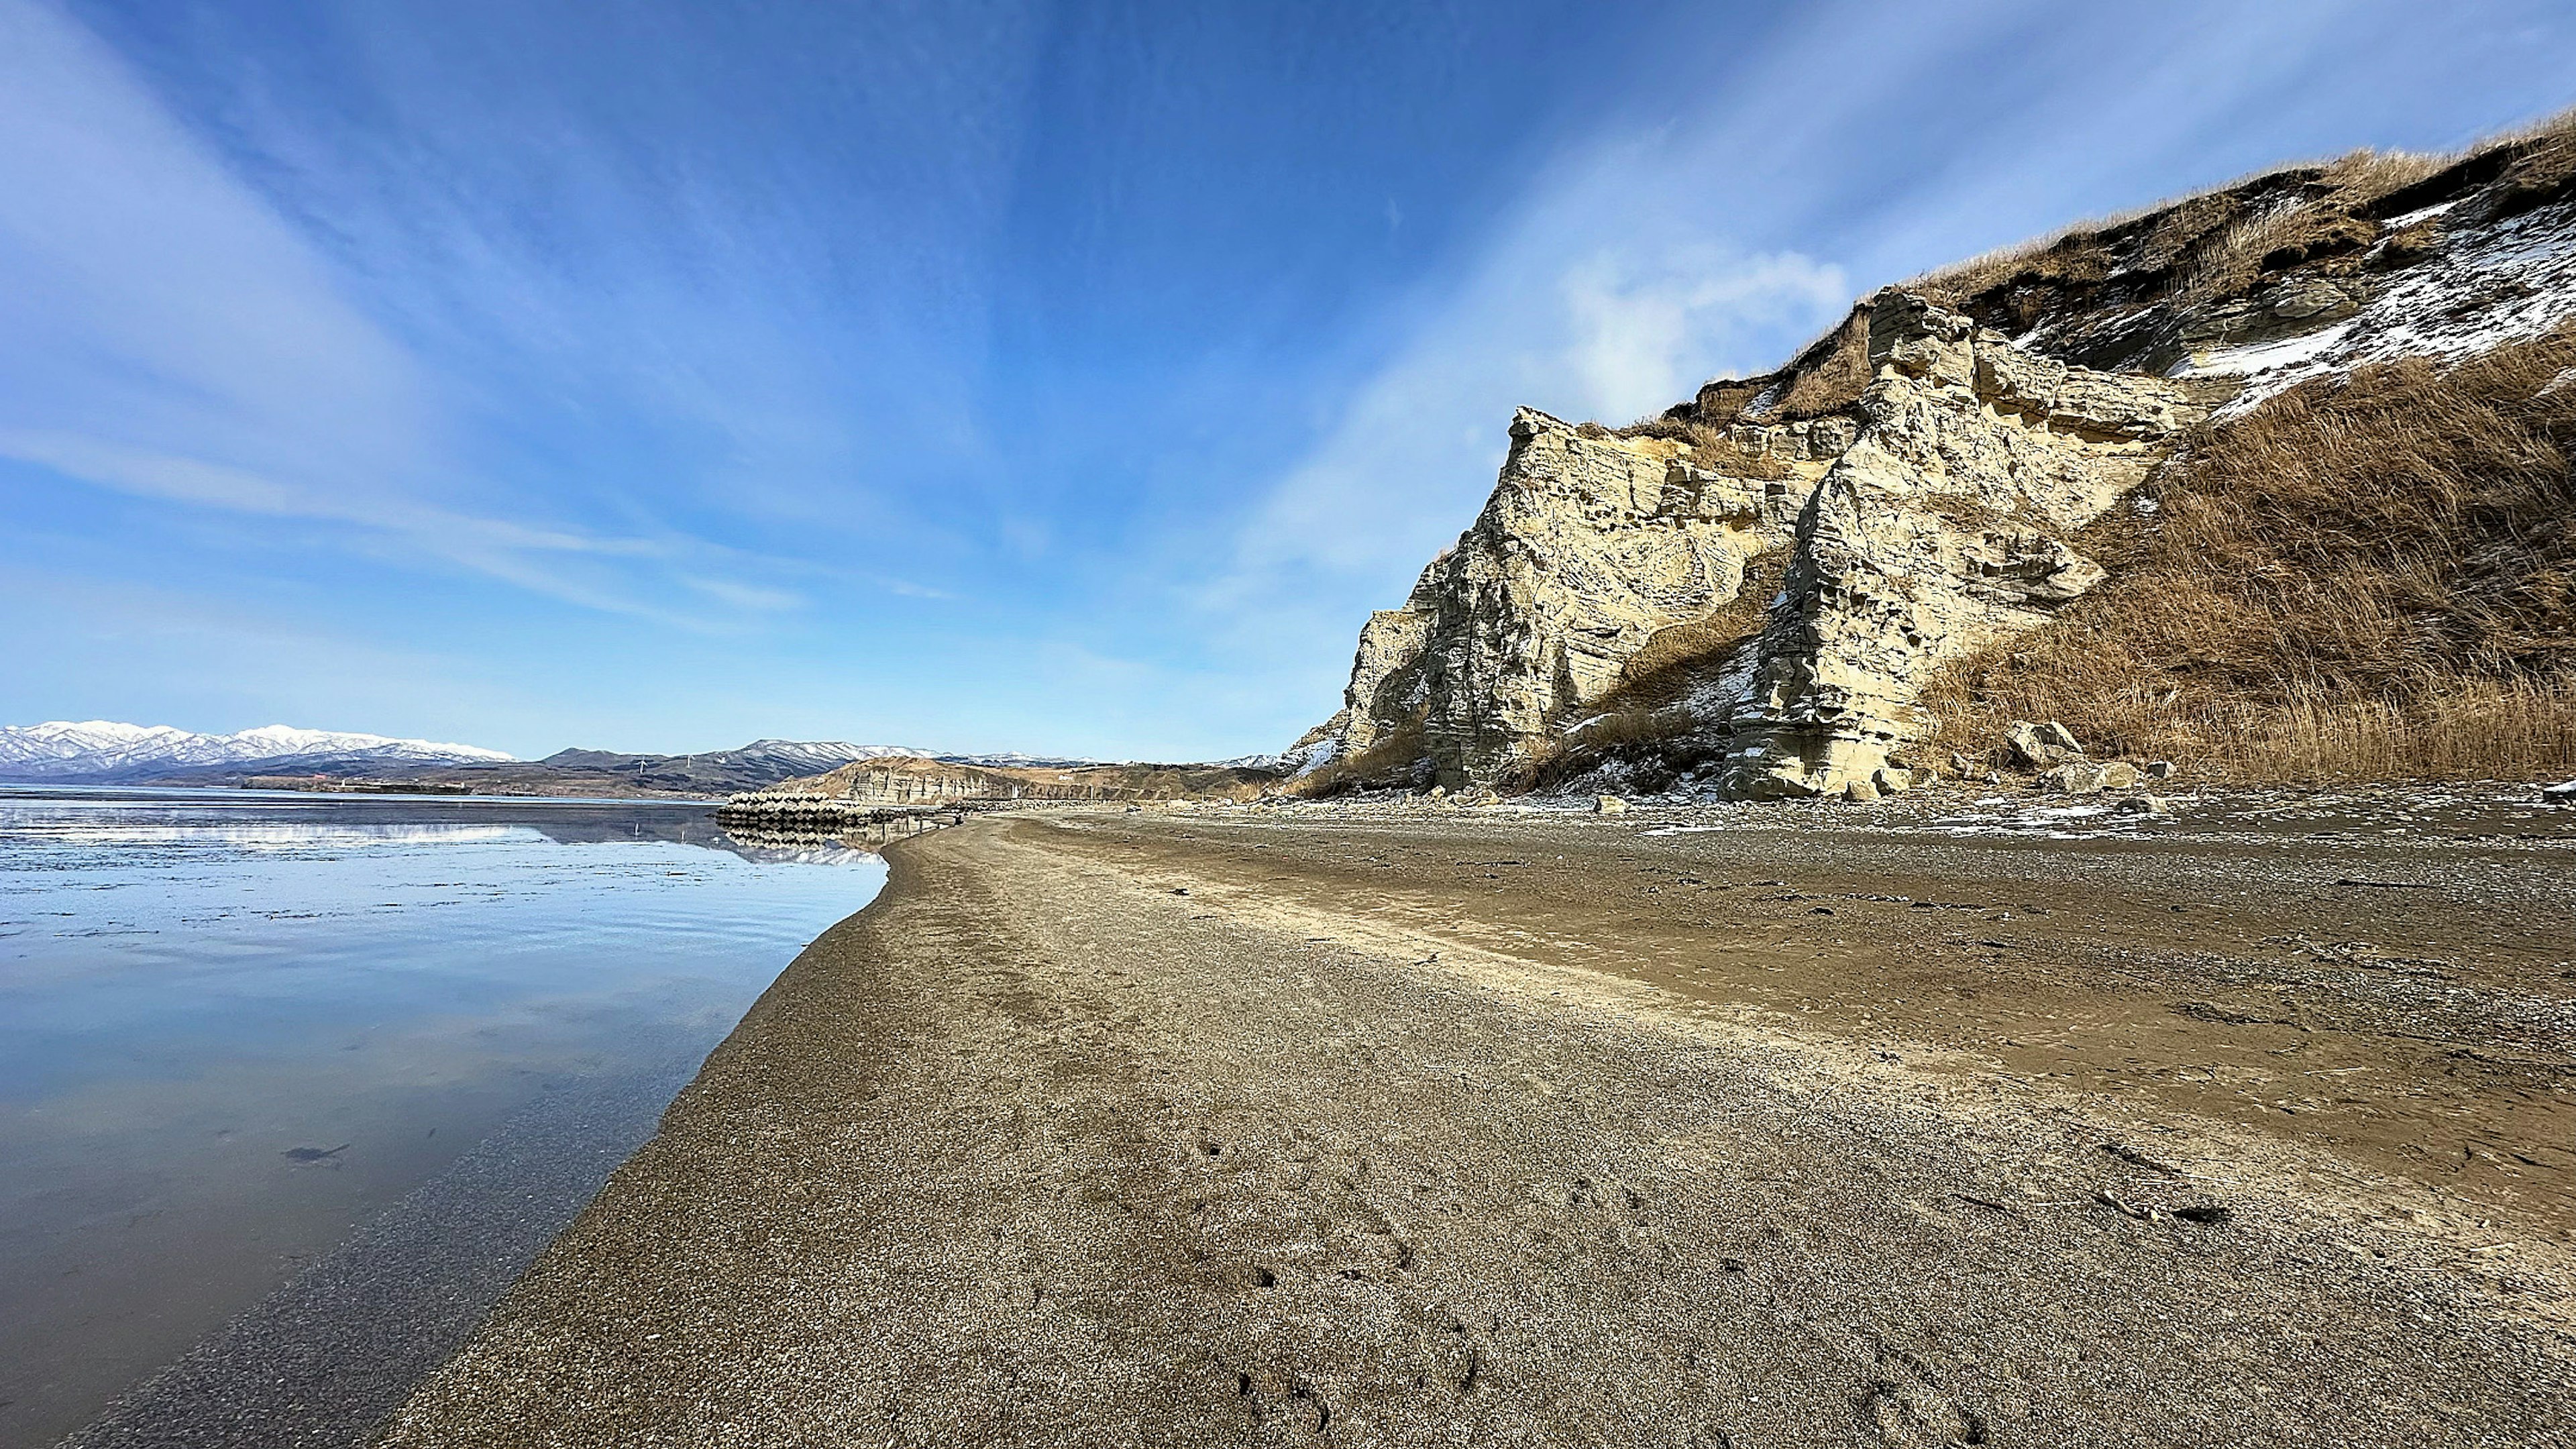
x=869 y=789
x=878 y=789
x=1943 y=526
x=1930 y=517
x=1590 y=546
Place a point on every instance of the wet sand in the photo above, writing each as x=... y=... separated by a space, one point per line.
x=1481 y=1128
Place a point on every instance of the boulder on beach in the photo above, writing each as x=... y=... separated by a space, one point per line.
x=2041 y=746
x=2073 y=778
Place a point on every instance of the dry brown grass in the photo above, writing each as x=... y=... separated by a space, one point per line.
x=2233 y=259
x=1669 y=663
x=1828 y=373
x=2358 y=179
x=2212 y=242
x=2176 y=229
x=2544 y=165
x=2486 y=729
x=1665 y=425
x=1822 y=378
x=2324 y=219
x=2366 y=579
x=1708 y=447
x=2066 y=256
x=2217 y=244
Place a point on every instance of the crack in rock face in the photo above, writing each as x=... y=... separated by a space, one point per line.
x=1590 y=545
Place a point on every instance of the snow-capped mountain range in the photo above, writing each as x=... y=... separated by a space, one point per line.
x=1014 y=760
x=101 y=750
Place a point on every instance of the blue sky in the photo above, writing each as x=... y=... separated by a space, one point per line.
x=1053 y=377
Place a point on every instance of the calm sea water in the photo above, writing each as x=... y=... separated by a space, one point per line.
x=234 y=1028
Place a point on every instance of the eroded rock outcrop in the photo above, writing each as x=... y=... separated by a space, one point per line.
x=881 y=789
x=1922 y=525
x=868 y=790
x=1591 y=545
x=1942 y=526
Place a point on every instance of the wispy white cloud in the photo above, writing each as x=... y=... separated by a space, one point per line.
x=180 y=479
x=1615 y=332
x=1605 y=298
x=151 y=296
x=1623 y=277
x=753 y=597
x=1645 y=333
x=761 y=238
x=165 y=333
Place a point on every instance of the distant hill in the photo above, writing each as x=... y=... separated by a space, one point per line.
x=754 y=766
x=102 y=753
x=863 y=791
x=708 y=775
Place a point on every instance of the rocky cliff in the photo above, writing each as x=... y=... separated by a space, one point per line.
x=1944 y=525
x=1919 y=485
x=869 y=790
x=1591 y=546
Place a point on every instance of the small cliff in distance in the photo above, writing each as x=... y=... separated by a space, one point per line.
x=866 y=790
x=2285 y=459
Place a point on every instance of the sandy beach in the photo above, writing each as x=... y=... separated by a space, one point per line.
x=1156 y=1129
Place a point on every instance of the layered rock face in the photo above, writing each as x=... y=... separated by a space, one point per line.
x=865 y=791
x=1917 y=528
x=1944 y=525
x=862 y=790
x=1590 y=546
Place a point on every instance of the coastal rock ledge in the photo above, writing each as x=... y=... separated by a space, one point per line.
x=866 y=792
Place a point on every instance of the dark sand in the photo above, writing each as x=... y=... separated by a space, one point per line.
x=1153 y=1129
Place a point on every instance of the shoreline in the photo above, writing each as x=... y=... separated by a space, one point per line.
x=1087 y=1130
x=203 y=794
x=326 y=1358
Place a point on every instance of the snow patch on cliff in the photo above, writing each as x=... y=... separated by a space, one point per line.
x=2485 y=289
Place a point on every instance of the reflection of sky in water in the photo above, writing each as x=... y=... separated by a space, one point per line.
x=191 y=990
x=266 y=836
